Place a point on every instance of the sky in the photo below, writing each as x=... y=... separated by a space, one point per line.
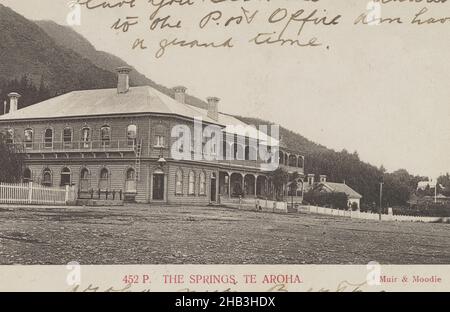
x=382 y=91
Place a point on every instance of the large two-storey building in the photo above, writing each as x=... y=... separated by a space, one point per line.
x=123 y=139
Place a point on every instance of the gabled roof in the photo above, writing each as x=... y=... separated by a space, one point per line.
x=104 y=102
x=340 y=188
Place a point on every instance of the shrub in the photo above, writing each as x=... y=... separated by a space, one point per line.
x=424 y=210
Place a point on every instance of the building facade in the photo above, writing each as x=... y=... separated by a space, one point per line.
x=120 y=143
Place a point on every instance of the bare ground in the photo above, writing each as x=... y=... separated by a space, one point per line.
x=142 y=234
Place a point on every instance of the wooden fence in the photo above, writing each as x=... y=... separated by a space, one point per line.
x=34 y=194
x=255 y=204
x=370 y=216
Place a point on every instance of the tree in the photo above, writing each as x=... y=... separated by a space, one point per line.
x=279 y=178
x=444 y=180
x=11 y=163
x=29 y=93
x=334 y=200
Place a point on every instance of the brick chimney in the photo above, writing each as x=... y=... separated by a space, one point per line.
x=123 y=81
x=13 y=101
x=180 y=94
x=213 y=108
x=323 y=178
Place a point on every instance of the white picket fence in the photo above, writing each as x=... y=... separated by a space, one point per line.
x=255 y=204
x=34 y=194
x=369 y=216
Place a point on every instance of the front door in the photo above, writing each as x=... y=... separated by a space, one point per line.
x=213 y=189
x=158 y=187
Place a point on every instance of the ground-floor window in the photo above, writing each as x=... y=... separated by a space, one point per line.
x=191 y=183
x=27 y=177
x=66 y=177
x=47 y=177
x=85 y=181
x=179 y=182
x=130 y=183
x=103 y=184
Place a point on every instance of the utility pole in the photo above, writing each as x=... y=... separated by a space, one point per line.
x=381 y=199
x=435 y=190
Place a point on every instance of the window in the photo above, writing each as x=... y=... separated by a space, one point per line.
x=179 y=183
x=85 y=182
x=130 y=183
x=281 y=160
x=301 y=162
x=67 y=137
x=10 y=136
x=293 y=161
x=28 y=138
x=66 y=177
x=86 y=137
x=191 y=190
x=27 y=176
x=48 y=138
x=47 y=177
x=85 y=174
x=180 y=142
x=160 y=141
x=131 y=135
x=104 y=179
x=105 y=135
x=202 y=190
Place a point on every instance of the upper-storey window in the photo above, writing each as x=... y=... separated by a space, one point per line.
x=160 y=141
x=86 y=137
x=10 y=136
x=105 y=134
x=160 y=136
x=131 y=135
x=301 y=162
x=48 y=138
x=28 y=138
x=293 y=161
x=67 y=137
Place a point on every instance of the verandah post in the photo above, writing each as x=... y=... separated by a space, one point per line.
x=66 y=199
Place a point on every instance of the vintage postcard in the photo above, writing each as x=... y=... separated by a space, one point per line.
x=224 y=145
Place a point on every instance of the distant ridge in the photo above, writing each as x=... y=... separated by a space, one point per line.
x=70 y=39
